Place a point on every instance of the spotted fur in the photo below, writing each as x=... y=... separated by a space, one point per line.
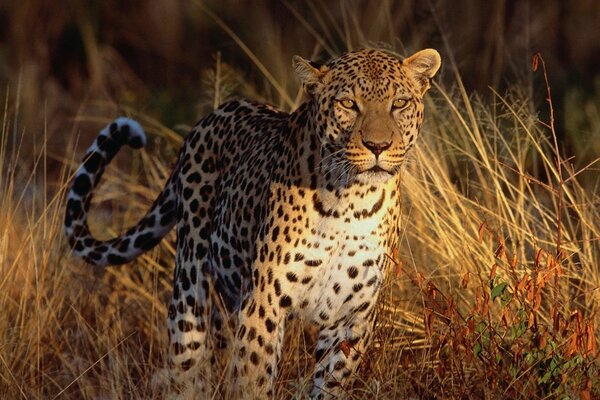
x=277 y=214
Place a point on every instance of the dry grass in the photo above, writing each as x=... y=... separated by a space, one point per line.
x=488 y=300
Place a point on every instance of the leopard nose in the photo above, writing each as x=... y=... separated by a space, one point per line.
x=376 y=148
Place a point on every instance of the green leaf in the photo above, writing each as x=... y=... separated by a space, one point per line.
x=499 y=289
x=480 y=327
x=477 y=349
x=545 y=378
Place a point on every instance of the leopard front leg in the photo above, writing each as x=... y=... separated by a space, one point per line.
x=259 y=339
x=338 y=354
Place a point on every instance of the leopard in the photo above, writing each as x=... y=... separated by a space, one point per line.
x=277 y=215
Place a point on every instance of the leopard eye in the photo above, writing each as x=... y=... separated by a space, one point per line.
x=399 y=104
x=349 y=104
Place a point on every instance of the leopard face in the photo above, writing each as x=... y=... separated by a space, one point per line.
x=371 y=108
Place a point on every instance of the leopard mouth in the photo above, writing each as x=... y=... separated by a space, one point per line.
x=377 y=169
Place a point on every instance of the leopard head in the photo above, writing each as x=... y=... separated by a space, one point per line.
x=369 y=109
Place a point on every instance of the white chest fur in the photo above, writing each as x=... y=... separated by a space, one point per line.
x=342 y=253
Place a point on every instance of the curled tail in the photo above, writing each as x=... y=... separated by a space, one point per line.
x=149 y=230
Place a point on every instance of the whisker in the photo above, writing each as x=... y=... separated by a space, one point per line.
x=344 y=173
x=328 y=156
x=330 y=167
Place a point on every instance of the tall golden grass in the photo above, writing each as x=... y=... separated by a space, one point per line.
x=495 y=293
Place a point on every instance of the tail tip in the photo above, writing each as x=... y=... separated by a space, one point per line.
x=136 y=138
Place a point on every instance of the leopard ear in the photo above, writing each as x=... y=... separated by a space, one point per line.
x=423 y=65
x=309 y=73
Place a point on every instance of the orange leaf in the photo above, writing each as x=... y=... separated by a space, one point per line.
x=514 y=261
x=542 y=343
x=540 y=279
x=538 y=255
x=534 y=62
x=531 y=320
x=478 y=302
x=450 y=306
x=585 y=394
x=493 y=271
x=470 y=326
x=530 y=290
x=590 y=348
x=566 y=325
x=465 y=280
x=522 y=282
x=562 y=255
x=345 y=347
x=538 y=301
x=508 y=257
x=481 y=231
x=398 y=268
x=572 y=345
x=499 y=251
x=506 y=319
x=430 y=318
x=556 y=320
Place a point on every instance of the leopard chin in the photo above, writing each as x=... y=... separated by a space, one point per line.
x=374 y=175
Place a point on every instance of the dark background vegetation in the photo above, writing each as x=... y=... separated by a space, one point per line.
x=70 y=57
